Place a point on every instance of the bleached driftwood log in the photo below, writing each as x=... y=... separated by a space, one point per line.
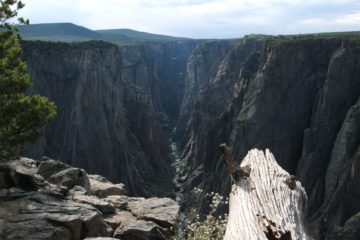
x=266 y=202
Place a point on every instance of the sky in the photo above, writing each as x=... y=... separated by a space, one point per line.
x=201 y=18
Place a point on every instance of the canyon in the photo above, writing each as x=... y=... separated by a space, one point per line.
x=119 y=107
x=113 y=111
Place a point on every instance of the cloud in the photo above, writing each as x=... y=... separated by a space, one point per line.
x=349 y=19
x=201 y=18
x=344 y=22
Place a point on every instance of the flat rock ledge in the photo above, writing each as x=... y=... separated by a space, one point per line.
x=50 y=200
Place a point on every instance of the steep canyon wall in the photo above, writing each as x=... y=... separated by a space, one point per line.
x=110 y=101
x=298 y=97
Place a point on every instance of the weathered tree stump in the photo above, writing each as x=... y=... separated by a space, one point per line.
x=266 y=202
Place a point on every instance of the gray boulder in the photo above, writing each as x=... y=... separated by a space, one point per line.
x=101 y=238
x=62 y=174
x=102 y=188
x=122 y=202
x=163 y=211
x=19 y=173
x=140 y=230
x=49 y=167
x=101 y=205
x=41 y=216
x=77 y=190
x=114 y=220
x=33 y=204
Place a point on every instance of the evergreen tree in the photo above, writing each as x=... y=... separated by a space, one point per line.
x=21 y=117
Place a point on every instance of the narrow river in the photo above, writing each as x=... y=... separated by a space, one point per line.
x=178 y=186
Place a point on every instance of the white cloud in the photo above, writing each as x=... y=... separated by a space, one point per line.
x=350 y=19
x=201 y=18
x=344 y=22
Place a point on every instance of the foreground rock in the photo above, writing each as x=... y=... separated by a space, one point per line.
x=159 y=210
x=100 y=238
x=101 y=187
x=46 y=200
x=62 y=174
x=141 y=229
x=99 y=204
x=265 y=202
x=41 y=216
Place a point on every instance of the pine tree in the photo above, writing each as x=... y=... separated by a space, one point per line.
x=21 y=117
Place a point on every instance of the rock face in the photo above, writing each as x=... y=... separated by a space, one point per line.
x=159 y=70
x=206 y=129
x=32 y=206
x=202 y=68
x=110 y=102
x=298 y=97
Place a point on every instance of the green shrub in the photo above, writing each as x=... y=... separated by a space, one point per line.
x=21 y=117
x=212 y=225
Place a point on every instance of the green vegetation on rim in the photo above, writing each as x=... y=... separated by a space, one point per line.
x=68 y=32
x=21 y=117
x=60 y=46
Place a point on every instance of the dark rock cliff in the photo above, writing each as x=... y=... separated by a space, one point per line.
x=297 y=97
x=159 y=70
x=199 y=146
x=202 y=67
x=108 y=103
